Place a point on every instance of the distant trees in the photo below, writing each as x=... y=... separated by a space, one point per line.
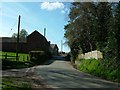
x=23 y=34
x=94 y=25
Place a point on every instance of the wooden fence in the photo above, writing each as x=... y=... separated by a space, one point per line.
x=10 y=57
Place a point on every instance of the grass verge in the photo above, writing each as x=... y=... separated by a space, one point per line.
x=96 y=67
x=8 y=64
x=14 y=83
x=22 y=56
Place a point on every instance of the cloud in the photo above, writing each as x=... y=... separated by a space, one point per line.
x=65 y=11
x=52 y=5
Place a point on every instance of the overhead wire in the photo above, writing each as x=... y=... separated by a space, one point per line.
x=12 y=28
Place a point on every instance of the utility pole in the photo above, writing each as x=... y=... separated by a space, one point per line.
x=44 y=32
x=17 y=46
x=61 y=45
x=45 y=42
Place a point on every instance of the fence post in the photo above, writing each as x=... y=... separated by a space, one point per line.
x=27 y=58
x=23 y=57
x=6 y=56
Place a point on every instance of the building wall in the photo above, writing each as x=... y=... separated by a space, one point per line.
x=94 y=54
x=54 y=49
x=35 y=42
x=11 y=47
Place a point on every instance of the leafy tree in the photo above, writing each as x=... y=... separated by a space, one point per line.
x=93 y=26
x=103 y=18
x=22 y=35
x=117 y=27
x=14 y=35
x=113 y=45
x=79 y=31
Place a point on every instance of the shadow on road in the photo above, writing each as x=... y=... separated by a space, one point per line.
x=54 y=58
x=58 y=58
x=71 y=79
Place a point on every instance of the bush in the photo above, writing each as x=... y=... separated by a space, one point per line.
x=97 y=68
x=38 y=57
x=48 y=55
x=8 y=64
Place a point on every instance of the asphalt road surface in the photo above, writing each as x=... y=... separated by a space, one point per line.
x=60 y=74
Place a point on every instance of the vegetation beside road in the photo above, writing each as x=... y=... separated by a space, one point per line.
x=11 y=63
x=98 y=29
x=98 y=68
x=24 y=59
x=8 y=64
x=22 y=56
x=14 y=83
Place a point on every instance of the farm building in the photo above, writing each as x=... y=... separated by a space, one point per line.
x=54 y=49
x=34 y=42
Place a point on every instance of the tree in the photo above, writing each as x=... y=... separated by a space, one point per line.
x=79 y=30
x=117 y=29
x=113 y=45
x=94 y=26
x=23 y=34
x=104 y=15
x=14 y=35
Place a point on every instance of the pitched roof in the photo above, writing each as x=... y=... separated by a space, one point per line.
x=35 y=33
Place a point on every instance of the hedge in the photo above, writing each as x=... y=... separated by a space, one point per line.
x=96 y=67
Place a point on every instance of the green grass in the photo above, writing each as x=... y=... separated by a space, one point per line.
x=14 y=83
x=96 y=67
x=8 y=64
x=22 y=56
x=11 y=63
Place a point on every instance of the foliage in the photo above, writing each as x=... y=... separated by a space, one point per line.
x=94 y=26
x=11 y=63
x=117 y=27
x=38 y=57
x=8 y=64
x=23 y=34
x=100 y=69
x=48 y=55
x=12 y=83
x=78 y=32
x=22 y=56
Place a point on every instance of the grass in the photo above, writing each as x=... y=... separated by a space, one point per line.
x=22 y=56
x=96 y=67
x=11 y=63
x=14 y=83
x=8 y=64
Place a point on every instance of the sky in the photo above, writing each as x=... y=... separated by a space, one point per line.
x=36 y=16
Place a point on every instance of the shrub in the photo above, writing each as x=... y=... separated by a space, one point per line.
x=98 y=68
x=38 y=57
x=48 y=55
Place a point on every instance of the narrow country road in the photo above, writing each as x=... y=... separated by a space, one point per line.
x=60 y=74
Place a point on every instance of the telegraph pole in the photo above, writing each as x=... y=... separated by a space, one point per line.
x=17 y=46
x=61 y=45
x=44 y=32
x=45 y=42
